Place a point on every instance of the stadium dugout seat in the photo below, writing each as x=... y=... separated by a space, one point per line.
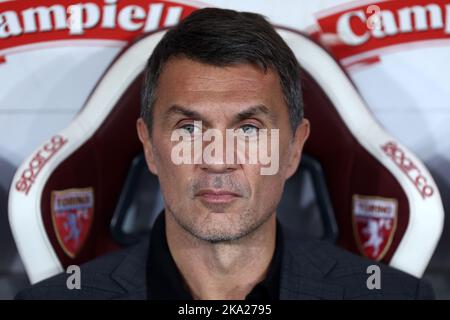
x=75 y=197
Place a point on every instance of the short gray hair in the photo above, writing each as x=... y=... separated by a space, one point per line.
x=222 y=37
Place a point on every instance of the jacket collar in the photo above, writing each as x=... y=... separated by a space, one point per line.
x=303 y=271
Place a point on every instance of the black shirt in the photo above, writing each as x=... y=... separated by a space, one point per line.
x=166 y=283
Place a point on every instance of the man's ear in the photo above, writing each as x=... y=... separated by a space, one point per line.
x=297 y=143
x=144 y=137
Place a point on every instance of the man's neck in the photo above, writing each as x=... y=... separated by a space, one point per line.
x=225 y=270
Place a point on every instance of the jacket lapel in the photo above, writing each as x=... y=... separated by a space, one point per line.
x=131 y=274
x=303 y=272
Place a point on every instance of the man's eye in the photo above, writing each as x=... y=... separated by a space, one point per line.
x=249 y=129
x=190 y=128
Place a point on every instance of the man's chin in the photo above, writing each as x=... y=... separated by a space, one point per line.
x=216 y=226
x=218 y=235
x=219 y=207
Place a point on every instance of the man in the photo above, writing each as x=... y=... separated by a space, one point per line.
x=224 y=71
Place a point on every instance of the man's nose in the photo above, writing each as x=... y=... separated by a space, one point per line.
x=218 y=167
x=221 y=160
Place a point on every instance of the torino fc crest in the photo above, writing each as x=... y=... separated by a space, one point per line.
x=374 y=224
x=72 y=213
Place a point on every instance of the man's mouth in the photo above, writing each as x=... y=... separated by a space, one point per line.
x=217 y=196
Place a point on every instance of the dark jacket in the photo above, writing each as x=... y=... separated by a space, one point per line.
x=310 y=269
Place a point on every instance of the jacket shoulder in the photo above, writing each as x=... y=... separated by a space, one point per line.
x=102 y=278
x=359 y=277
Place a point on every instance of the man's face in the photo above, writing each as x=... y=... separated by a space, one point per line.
x=219 y=201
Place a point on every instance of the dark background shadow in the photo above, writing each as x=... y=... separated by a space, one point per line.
x=438 y=271
x=12 y=272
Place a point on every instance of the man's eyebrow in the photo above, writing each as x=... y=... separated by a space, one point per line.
x=255 y=111
x=242 y=115
x=177 y=109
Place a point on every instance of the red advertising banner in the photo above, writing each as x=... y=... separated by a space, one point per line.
x=371 y=25
x=36 y=21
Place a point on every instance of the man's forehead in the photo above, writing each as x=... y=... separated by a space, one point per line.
x=187 y=74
